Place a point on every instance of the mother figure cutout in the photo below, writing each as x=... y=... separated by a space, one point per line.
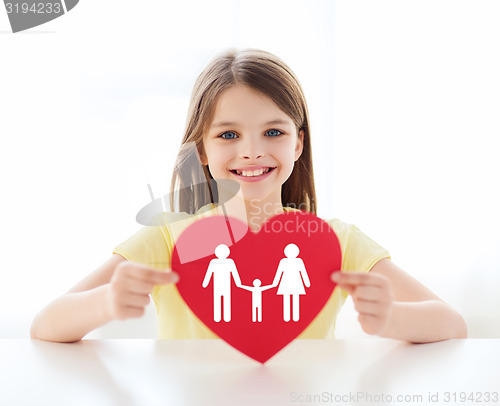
x=290 y=270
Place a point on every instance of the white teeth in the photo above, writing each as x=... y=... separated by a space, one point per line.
x=256 y=172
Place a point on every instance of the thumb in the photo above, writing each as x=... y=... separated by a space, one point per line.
x=167 y=277
x=337 y=278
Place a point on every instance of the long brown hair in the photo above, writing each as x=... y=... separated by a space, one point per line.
x=192 y=186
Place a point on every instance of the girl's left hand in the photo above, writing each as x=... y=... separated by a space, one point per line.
x=372 y=296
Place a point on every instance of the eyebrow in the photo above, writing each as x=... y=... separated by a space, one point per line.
x=232 y=123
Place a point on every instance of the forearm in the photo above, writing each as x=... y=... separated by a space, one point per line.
x=422 y=322
x=70 y=317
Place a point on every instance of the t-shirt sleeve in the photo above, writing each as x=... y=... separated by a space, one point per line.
x=149 y=246
x=359 y=252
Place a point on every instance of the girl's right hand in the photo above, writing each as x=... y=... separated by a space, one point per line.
x=129 y=288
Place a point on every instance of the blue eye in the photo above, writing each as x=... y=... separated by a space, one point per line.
x=274 y=133
x=228 y=135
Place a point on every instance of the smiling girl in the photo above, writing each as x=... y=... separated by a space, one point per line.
x=249 y=122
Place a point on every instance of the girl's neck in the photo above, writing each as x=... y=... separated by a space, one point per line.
x=252 y=212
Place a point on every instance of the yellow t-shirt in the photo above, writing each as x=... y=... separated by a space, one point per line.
x=153 y=246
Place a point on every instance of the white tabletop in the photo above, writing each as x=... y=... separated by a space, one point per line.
x=210 y=372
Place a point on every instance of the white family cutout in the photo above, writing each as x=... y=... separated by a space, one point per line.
x=291 y=276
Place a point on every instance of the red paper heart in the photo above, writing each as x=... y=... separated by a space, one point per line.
x=257 y=256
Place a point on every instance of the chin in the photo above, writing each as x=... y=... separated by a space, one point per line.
x=255 y=196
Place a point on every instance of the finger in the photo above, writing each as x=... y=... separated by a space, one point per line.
x=139 y=287
x=134 y=312
x=134 y=300
x=369 y=293
x=370 y=324
x=367 y=308
x=357 y=278
x=348 y=288
x=155 y=277
x=169 y=277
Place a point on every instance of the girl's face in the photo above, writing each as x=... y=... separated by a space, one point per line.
x=252 y=141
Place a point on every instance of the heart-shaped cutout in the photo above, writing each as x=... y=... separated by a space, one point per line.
x=259 y=318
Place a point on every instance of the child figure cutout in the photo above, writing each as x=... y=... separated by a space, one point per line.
x=256 y=298
x=292 y=272
x=222 y=269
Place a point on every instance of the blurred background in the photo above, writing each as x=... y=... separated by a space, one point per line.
x=404 y=106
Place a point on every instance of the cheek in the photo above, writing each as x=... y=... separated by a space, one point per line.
x=286 y=155
x=217 y=159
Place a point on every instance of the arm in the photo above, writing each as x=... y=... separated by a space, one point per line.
x=118 y=289
x=236 y=275
x=392 y=304
x=304 y=274
x=208 y=275
x=245 y=287
x=263 y=288
x=277 y=277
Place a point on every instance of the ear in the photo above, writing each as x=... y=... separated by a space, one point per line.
x=300 y=144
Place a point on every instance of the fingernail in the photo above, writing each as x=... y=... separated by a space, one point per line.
x=335 y=276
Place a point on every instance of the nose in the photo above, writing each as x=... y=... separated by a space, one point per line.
x=251 y=149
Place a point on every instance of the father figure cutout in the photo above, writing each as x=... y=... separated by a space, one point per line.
x=222 y=268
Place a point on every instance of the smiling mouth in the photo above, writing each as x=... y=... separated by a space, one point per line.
x=252 y=173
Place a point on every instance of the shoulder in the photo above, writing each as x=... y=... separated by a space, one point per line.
x=340 y=228
x=155 y=240
x=359 y=252
x=351 y=235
